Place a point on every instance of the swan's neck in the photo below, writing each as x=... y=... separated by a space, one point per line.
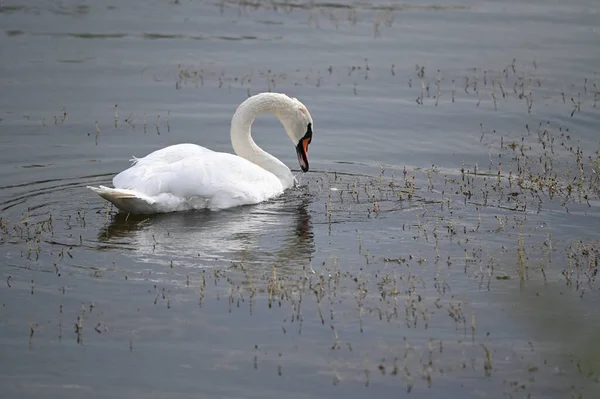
x=241 y=137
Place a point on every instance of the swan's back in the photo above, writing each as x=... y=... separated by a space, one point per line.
x=187 y=176
x=159 y=158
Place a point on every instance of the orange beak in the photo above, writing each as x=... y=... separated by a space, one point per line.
x=302 y=152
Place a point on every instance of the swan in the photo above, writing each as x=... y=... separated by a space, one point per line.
x=187 y=176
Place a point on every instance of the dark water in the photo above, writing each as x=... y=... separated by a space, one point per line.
x=403 y=266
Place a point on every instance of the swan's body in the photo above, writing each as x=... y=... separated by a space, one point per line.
x=187 y=176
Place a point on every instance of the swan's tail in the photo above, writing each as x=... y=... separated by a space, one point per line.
x=126 y=200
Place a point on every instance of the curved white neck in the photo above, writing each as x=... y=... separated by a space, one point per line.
x=241 y=138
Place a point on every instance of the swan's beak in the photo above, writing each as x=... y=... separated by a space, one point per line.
x=302 y=151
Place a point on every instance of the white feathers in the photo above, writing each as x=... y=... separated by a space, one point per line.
x=188 y=176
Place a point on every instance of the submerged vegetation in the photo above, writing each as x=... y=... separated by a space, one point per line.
x=475 y=273
x=486 y=223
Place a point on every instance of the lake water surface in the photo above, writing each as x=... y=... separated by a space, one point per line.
x=444 y=244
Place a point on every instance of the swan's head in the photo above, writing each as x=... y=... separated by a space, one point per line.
x=299 y=124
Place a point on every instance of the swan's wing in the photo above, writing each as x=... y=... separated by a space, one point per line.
x=222 y=179
x=142 y=169
x=173 y=153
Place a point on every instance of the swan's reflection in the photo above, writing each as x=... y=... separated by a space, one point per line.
x=278 y=231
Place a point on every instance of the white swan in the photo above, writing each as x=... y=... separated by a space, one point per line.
x=187 y=176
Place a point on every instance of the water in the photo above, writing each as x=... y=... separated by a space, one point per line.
x=401 y=261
